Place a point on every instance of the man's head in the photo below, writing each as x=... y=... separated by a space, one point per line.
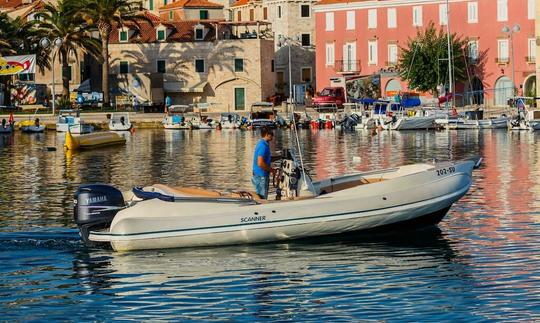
x=267 y=133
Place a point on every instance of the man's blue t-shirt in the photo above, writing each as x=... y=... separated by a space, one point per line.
x=262 y=149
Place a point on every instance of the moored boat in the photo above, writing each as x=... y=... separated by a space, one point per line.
x=120 y=122
x=160 y=216
x=31 y=126
x=71 y=120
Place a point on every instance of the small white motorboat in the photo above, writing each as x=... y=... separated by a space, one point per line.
x=31 y=126
x=70 y=119
x=230 y=121
x=176 y=119
x=160 y=216
x=120 y=122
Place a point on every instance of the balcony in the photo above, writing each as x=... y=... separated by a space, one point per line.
x=347 y=66
x=391 y=63
x=530 y=59
x=502 y=60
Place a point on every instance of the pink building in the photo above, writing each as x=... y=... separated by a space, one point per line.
x=363 y=38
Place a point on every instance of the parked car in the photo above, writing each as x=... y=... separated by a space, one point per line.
x=330 y=96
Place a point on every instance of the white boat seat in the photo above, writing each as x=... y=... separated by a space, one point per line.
x=343 y=186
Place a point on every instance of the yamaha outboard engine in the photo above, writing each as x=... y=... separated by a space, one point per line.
x=94 y=208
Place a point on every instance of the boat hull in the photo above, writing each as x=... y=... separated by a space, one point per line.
x=422 y=198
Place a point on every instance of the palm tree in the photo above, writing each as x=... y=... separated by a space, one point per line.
x=105 y=14
x=65 y=22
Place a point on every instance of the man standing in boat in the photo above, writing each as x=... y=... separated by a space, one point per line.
x=262 y=160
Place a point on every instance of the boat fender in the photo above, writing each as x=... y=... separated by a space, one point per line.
x=145 y=195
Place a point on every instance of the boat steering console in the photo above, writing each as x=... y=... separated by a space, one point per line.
x=287 y=177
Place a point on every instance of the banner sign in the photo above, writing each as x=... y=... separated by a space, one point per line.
x=11 y=65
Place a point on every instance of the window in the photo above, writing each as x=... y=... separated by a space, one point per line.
x=203 y=14
x=443 y=14
x=171 y=15
x=251 y=14
x=68 y=72
x=372 y=52
x=238 y=64
x=349 y=57
x=531 y=8
x=239 y=98
x=27 y=77
x=531 y=58
x=472 y=12
x=161 y=34
x=305 y=11
x=150 y=4
x=391 y=15
x=351 y=20
x=306 y=40
x=161 y=66
x=306 y=74
x=503 y=50
x=502 y=10
x=265 y=13
x=199 y=33
x=329 y=54
x=473 y=50
x=239 y=15
x=123 y=36
x=329 y=21
x=279 y=11
x=417 y=16
x=372 y=18
x=272 y=66
x=124 y=67
x=199 y=65
x=392 y=54
x=165 y=2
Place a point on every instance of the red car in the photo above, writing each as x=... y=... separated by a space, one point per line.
x=330 y=96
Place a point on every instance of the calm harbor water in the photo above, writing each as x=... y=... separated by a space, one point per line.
x=482 y=264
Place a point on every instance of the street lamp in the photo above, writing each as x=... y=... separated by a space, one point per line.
x=507 y=30
x=46 y=43
x=287 y=41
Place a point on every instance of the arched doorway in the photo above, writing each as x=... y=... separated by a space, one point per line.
x=530 y=86
x=392 y=87
x=477 y=91
x=504 y=89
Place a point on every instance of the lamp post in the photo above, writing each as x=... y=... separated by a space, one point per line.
x=507 y=30
x=46 y=43
x=287 y=41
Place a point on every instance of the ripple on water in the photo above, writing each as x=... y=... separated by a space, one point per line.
x=482 y=264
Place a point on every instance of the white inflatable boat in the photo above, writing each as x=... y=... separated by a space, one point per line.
x=159 y=216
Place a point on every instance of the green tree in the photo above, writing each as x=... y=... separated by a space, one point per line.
x=105 y=14
x=65 y=22
x=423 y=62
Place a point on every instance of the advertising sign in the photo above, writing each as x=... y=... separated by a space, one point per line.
x=11 y=65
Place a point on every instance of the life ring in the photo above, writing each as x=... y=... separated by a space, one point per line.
x=454 y=111
x=389 y=113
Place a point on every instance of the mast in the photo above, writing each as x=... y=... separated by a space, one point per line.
x=450 y=74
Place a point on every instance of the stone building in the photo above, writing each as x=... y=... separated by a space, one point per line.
x=197 y=62
x=290 y=19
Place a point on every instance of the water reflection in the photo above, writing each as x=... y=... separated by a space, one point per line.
x=484 y=255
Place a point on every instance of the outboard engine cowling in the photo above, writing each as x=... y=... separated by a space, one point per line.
x=94 y=208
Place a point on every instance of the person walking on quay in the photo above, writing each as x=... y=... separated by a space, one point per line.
x=262 y=160
x=168 y=103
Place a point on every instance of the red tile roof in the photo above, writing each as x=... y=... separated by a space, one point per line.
x=239 y=3
x=323 y=2
x=180 y=31
x=190 y=4
x=10 y=4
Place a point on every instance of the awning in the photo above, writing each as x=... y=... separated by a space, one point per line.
x=181 y=87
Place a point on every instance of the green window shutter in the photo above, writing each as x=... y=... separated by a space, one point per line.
x=161 y=35
x=238 y=65
x=203 y=14
x=150 y=4
x=123 y=36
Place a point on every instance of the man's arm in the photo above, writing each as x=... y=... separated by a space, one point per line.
x=262 y=164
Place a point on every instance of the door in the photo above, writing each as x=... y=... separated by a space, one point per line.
x=239 y=98
x=349 y=57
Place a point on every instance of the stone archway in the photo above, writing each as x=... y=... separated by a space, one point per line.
x=392 y=85
x=504 y=89
x=529 y=86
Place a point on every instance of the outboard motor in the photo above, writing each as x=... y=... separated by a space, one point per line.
x=94 y=208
